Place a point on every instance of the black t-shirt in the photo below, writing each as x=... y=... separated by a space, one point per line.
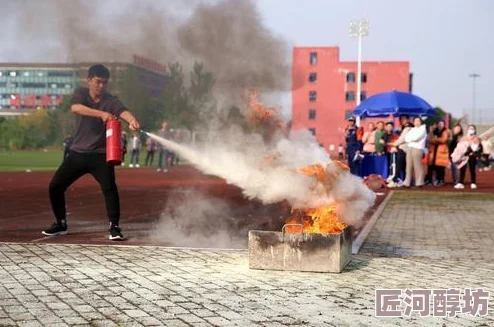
x=90 y=134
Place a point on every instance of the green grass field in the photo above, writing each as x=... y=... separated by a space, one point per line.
x=33 y=160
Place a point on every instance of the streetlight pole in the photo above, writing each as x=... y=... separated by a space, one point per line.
x=474 y=78
x=359 y=29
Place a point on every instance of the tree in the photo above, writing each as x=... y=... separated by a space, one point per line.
x=11 y=134
x=201 y=95
x=65 y=121
x=176 y=109
x=441 y=115
x=38 y=129
x=136 y=97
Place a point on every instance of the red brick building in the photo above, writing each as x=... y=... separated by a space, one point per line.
x=324 y=89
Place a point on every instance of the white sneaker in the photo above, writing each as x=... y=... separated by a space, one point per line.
x=165 y=170
x=473 y=186
x=131 y=165
x=159 y=169
x=459 y=186
x=390 y=179
x=123 y=164
x=392 y=184
x=137 y=166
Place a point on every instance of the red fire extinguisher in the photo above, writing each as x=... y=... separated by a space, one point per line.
x=113 y=142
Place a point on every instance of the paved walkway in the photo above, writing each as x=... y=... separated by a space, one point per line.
x=84 y=285
x=435 y=225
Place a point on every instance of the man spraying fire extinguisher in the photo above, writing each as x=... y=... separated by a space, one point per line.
x=94 y=108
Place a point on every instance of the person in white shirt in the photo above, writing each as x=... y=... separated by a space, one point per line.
x=415 y=140
x=136 y=146
x=487 y=153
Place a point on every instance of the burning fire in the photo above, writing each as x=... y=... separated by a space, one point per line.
x=319 y=220
x=309 y=220
x=323 y=219
x=261 y=114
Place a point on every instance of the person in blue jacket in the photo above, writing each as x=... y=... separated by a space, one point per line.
x=353 y=146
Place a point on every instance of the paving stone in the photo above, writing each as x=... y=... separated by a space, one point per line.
x=75 y=321
x=190 y=318
x=7 y=322
x=135 y=313
x=175 y=323
x=30 y=323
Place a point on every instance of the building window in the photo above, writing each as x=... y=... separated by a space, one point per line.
x=363 y=77
x=56 y=73
x=34 y=85
x=350 y=96
x=13 y=74
x=350 y=77
x=348 y=114
x=363 y=96
x=312 y=96
x=312 y=131
x=313 y=58
x=312 y=114
x=312 y=77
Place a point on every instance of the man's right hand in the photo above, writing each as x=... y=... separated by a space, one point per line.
x=105 y=116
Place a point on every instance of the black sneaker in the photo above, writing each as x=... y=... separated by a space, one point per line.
x=58 y=228
x=116 y=233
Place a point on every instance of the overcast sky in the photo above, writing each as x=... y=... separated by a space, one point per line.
x=444 y=40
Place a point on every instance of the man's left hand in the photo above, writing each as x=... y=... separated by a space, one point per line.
x=134 y=125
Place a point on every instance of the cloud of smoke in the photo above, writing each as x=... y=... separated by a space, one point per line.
x=193 y=219
x=228 y=36
x=268 y=171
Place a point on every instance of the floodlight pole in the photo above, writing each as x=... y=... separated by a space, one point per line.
x=474 y=78
x=359 y=29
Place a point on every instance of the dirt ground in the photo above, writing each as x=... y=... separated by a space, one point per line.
x=180 y=208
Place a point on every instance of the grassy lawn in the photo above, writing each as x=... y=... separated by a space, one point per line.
x=34 y=160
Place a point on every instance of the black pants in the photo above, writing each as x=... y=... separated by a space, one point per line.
x=439 y=170
x=75 y=166
x=401 y=162
x=149 y=158
x=391 y=159
x=354 y=165
x=472 y=163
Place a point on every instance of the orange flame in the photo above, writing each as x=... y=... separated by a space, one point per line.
x=259 y=113
x=323 y=219
x=316 y=170
x=319 y=220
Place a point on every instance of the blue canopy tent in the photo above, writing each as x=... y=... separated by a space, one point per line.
x=394 y=103
x=387 y=104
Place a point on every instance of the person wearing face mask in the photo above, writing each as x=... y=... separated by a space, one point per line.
x=466 y=153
